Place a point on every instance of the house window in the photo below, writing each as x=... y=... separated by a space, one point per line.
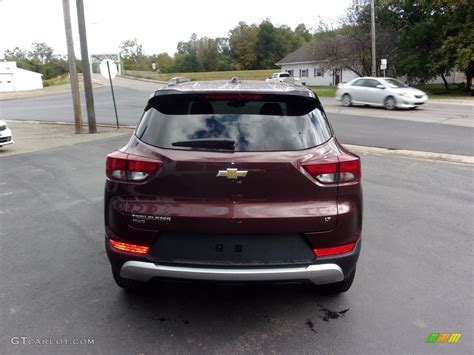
x=291 y=72
x=318 y=72
x=303 y=73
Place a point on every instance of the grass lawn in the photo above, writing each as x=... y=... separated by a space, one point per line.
x=59 y=80
x=438 y=91
x=434 y=91
x=324 y=91
x=216 y=75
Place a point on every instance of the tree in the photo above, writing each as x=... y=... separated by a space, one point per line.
x=163 y=62
x=133 y=55
x=269 y=48
x=185 y=60
x=302 y=35
x=458 y=34
x=41 y=52
x=17 y=54
x=243 y=46
x=40 y=58
x=434 y=37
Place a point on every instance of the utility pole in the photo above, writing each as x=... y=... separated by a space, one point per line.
x=374 y=60
x=71 y=57
x=86 y=69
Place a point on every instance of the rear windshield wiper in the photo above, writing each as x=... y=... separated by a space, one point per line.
x=216 y=143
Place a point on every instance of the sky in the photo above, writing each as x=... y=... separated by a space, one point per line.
x=157 y=25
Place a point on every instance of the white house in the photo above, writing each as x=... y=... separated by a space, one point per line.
x=13 y=78
x=313 y=68
x=310 y=64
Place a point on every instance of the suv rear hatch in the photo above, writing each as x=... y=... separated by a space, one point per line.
x=233 y=163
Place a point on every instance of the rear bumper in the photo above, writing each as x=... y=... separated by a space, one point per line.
x=320 y=271
x=318 y=274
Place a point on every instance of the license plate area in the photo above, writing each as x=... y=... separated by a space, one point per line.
x=230 y=249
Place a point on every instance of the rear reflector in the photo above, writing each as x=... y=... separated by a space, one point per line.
x=341 y=249
x=126 y=167
x=131 y=248
x=342 y=169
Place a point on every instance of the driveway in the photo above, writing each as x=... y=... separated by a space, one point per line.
x=414 y=276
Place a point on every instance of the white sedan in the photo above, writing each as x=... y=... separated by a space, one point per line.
x=5 y=134
x=384 y=92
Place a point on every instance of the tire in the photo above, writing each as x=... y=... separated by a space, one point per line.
x=127 y=284
x=338 y=287
x=389 y=103
x=346 y=100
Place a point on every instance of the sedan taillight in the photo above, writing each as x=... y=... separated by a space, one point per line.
x=342 y=169
x=130 y=168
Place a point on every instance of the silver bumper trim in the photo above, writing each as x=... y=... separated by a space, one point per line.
x=318 y=274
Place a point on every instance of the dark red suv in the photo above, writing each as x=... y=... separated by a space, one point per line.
x=234 y=181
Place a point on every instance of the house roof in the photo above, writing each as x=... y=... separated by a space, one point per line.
x=308 y=53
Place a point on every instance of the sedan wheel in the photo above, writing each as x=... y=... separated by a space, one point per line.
x=346 y=100
x=389 y=103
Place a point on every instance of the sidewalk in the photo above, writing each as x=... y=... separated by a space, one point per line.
x=50 y=90
x=435 y=111
x=35 y=136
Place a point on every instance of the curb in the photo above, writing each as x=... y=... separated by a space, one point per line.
x=359 y=149
x=144 y=79
x=107 y=125
x=416 y=154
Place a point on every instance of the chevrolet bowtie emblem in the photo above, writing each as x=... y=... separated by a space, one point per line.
x=232 y=173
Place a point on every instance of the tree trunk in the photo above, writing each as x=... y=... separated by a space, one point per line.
x=445 y=82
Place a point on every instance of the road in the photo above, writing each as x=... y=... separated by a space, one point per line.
x=439 y=128
x=414 y=276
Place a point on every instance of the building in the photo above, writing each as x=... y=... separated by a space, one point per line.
x=13 y=78
x=313 y=68
x=310 y=64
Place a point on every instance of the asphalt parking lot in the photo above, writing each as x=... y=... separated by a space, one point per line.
x=414 y=276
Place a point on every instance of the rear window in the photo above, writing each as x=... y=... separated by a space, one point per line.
x=254 y=122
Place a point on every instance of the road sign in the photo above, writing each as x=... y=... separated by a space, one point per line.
x=383 y=62
x=108 y=69
x=383 y=66
x=105 y=71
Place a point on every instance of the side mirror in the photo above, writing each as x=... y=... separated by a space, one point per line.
x=380 y=86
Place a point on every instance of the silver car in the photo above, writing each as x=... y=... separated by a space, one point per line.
x=387 y=92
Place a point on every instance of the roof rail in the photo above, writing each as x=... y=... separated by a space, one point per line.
x=235 y=80
x=178 y=80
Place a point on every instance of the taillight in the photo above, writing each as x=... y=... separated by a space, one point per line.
x=342 y=169
x=349 y=168
x=130 y=248
x=324 y=172
x=132 y=168
x=341 y=249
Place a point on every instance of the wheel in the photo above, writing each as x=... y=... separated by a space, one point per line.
x=346 y=100
x=338 y=287
x=389 y=103
x=127 y=284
